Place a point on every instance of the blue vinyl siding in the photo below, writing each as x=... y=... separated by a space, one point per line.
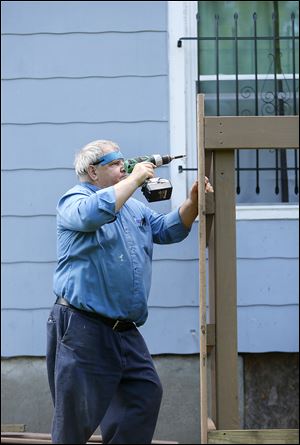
x=129 y=99
x=128 y=49
x=267 y=288
x=52 y=146
x=90 y=70
x=83 y=16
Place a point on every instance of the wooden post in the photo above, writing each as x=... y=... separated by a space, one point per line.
x=222 y=135
x=202 y=268
x=224 y=275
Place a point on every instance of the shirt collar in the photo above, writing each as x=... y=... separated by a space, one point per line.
x=92 y=187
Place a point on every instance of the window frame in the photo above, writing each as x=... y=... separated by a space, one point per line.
x=182 y=115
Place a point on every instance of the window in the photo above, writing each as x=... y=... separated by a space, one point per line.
x=242 y=69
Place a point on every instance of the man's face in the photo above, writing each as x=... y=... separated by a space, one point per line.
x=109 y=174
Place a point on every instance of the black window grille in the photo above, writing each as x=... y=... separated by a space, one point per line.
x=264 y=175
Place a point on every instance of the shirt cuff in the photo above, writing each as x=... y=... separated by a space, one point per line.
x=174 y=221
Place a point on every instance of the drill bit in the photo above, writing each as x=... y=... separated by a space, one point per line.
x=179 y=156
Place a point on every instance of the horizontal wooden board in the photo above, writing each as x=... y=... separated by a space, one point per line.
x=13 y=427
x=288 y=436
x=251 y=132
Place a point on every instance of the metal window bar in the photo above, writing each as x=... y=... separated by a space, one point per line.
x=281 y=167
x=296 y=189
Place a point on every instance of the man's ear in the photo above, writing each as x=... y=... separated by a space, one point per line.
x=91 y=171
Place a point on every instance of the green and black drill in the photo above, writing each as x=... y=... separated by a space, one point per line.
x=155 y=189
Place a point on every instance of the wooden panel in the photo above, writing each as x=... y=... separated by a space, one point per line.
x=288 y=436
x=209 y=204
x=13 y=427
x=202 y=269
x=251 y=132
x=211 y=334
x=209 y=211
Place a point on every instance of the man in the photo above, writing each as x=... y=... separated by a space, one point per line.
x=99 y=368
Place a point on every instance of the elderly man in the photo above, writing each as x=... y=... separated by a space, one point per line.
x=99 y=368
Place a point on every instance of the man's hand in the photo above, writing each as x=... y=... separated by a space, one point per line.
x=189 y=209
x=194 y=190
x=208 y=186
x=125 y=188
x=193 y=195
x=142 y=171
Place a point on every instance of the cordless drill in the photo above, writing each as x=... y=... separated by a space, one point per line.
x=155 y=189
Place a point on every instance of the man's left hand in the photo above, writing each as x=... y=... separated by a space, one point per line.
x=194 y=190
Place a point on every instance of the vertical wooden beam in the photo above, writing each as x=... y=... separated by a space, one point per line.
x=202 y=268
x=224 y=270
x=210 y=239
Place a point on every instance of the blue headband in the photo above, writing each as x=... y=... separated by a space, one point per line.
x=109 y=157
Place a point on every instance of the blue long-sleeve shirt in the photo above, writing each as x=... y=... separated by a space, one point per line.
x=104 y=257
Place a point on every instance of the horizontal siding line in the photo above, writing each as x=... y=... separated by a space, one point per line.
x=268 y=305
x=144 y=31
x=45 y=169
x=36 y=169
x=295 y=258
x=155 y=307
x=38 y=215
x=86 y=77
x=87 y=122
x=238 y=258
x=29 y=262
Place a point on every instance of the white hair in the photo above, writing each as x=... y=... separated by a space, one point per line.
x=90 y=154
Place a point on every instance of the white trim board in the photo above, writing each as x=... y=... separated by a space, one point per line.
x=259 y=212
x=182 y=92
x=210 y=77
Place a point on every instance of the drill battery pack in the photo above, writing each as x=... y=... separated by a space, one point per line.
x=157 y=189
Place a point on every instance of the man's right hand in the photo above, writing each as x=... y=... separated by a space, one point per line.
x=143 y=171
x=125 y=188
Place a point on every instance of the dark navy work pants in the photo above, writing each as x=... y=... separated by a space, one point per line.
x=99 y=376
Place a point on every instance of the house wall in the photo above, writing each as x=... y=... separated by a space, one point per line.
x=266 y=399
x=267 y=288
x=74 y=72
